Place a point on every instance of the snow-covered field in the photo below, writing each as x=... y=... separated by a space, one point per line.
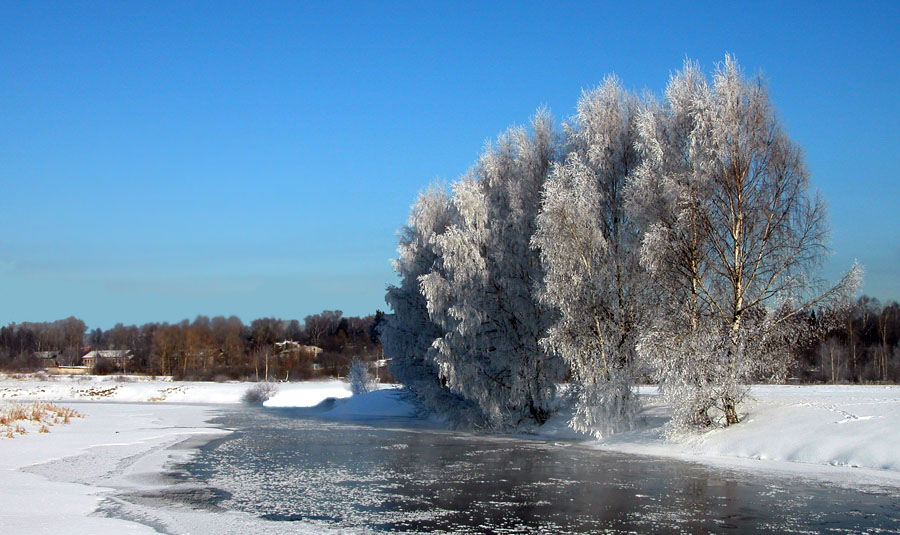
x=132 y=389
x=847 y=434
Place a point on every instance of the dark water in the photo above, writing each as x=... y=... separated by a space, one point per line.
x=286 y=466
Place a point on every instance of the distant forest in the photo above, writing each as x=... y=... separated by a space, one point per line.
x=220 y=348
x=864 y=348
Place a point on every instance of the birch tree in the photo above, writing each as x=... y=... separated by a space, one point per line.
x=588 y=245
x=484 y=295
x=731 y=236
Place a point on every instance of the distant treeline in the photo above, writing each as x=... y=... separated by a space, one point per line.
x=863 y=348
x=206 y=349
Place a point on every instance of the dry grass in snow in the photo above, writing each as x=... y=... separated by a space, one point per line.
x=40 y=413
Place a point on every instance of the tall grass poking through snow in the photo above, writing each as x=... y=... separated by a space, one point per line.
x=41 y=413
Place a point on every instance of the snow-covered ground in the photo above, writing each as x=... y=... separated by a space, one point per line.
x=843 y=433
x=103 y=440
x=132 y=389
x=847 y=434
x=122 y=444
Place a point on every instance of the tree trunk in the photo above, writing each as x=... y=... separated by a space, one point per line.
x=831 y=352
x=852 y=349
x=730 y=411
x=884 y=319
x=702 y=418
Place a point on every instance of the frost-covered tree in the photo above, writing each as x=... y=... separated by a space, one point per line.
x=483 y=294
x=588 y=245
x=260 y=392
x=731 y=236
x=408 y=334
x=361 y=381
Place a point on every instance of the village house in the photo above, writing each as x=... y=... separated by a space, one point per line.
x=118 y=357
x=47 y=358
x=289 y=347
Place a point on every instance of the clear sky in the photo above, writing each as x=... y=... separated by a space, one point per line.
x=160 y=160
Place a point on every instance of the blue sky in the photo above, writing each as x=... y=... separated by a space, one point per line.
x=163 y=160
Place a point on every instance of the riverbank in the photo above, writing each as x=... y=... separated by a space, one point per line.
x=54 y=482
x=845 y=434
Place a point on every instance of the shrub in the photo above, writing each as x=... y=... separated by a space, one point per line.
x=259 y=392
x=360 y=380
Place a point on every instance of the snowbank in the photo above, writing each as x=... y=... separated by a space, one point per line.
x=308 y=394
x=796 y=426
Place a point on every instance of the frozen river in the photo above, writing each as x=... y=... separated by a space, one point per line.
x=288 y=466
